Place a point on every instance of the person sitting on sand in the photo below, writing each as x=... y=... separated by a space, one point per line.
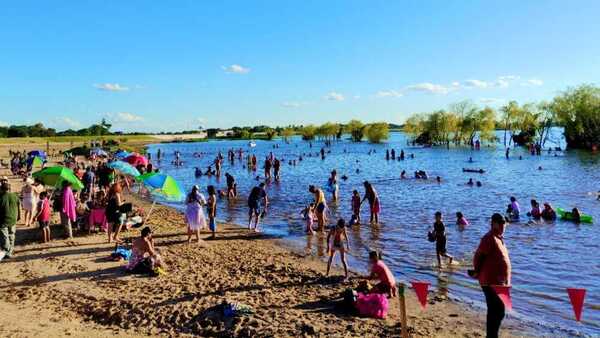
x=439 y=231
x=535 y=212
x=380 y=271
x=461 y=221
x=145 y=259
x=335 y=242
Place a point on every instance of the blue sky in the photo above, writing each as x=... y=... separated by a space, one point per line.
x=167 y=66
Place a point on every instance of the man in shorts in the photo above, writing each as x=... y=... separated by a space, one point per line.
x=257 y=194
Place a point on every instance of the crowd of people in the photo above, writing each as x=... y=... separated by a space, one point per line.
x=101 y=203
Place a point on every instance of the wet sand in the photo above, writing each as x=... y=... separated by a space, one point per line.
x=70 y=288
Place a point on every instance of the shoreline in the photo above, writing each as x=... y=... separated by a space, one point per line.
x=71 y=284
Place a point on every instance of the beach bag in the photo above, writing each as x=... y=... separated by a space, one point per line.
x=374 y=305
x=431 y=236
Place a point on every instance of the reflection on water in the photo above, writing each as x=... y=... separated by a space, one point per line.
x=546 y=257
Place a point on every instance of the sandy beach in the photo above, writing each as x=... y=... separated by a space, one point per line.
x=71 y=288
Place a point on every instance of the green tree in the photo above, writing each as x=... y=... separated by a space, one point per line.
x=356 y=130
x=578 y=111
x=287 y=133
x=308 y=132
x=270 y=132
x=377 y=132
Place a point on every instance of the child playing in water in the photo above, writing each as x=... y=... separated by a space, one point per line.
x=356 y=206
x=336 y=238
x=461 y=221
x=439 y=230
x=309 y=216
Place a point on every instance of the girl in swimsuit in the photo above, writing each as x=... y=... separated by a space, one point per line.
x=335 y=242
x=320 y=204
x=373 y=198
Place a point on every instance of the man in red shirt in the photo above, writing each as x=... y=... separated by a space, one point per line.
x=492 y=267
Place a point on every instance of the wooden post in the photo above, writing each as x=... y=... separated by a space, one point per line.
x=402 y=301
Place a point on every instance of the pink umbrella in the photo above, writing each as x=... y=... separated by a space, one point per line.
x=136 y=159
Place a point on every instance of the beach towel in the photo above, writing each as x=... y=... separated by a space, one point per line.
x=68 y=204
x=373 y=305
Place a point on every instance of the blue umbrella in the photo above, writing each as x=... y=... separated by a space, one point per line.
x=38 y=153
x=121 y=154
x=124 y=168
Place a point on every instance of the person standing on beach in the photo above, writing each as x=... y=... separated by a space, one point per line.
x=491 y=266
x=211 y=207
x=194 y=215
x=336 y=238
x=10 y=213
x=257 y=194
x=68 y=215
x=373 y=198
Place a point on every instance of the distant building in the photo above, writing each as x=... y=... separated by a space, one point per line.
x=225 y=133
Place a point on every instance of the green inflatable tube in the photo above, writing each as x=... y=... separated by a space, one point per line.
x=583 y=218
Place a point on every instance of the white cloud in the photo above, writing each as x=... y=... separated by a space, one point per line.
x=356 y=97
x=291 y=104
x=388 y=93
x=533 y=83
x=111 y=87
x=491 y=100
x=509 y=77
x=65 y=122
x=472 y=83
x=123 y=117
x=429 y=88
x=236 y=69
x=333 y=96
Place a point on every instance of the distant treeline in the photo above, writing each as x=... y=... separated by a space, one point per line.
x=576 y=109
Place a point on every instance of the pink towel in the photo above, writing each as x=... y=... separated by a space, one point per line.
x=98 y=217
x=68 y=204
x=374 y=305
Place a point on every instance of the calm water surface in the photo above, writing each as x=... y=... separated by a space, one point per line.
x=546 y=257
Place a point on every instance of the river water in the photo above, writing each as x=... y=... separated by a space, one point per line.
x=547 y=258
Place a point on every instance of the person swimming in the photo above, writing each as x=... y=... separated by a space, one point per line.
x=461 y=221
x=470 y=182
x=479 y=184
x=535 y=212
x=403 y=176
x=548 y=214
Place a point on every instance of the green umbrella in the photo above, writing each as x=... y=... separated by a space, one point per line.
x=54 y=176
x=163 y=186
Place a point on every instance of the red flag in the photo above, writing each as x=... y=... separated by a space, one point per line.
x=503 y=293
x=577 y=296
x=421 y=289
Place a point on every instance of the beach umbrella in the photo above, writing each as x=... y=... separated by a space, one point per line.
x=98 y=152
x=38 y=153
x=54 y=176
x=136 y=159
x=35 y=161
x=124 y=168
x=121 y=154
x=162 y=186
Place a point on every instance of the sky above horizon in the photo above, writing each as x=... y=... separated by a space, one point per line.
x=171 y=66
